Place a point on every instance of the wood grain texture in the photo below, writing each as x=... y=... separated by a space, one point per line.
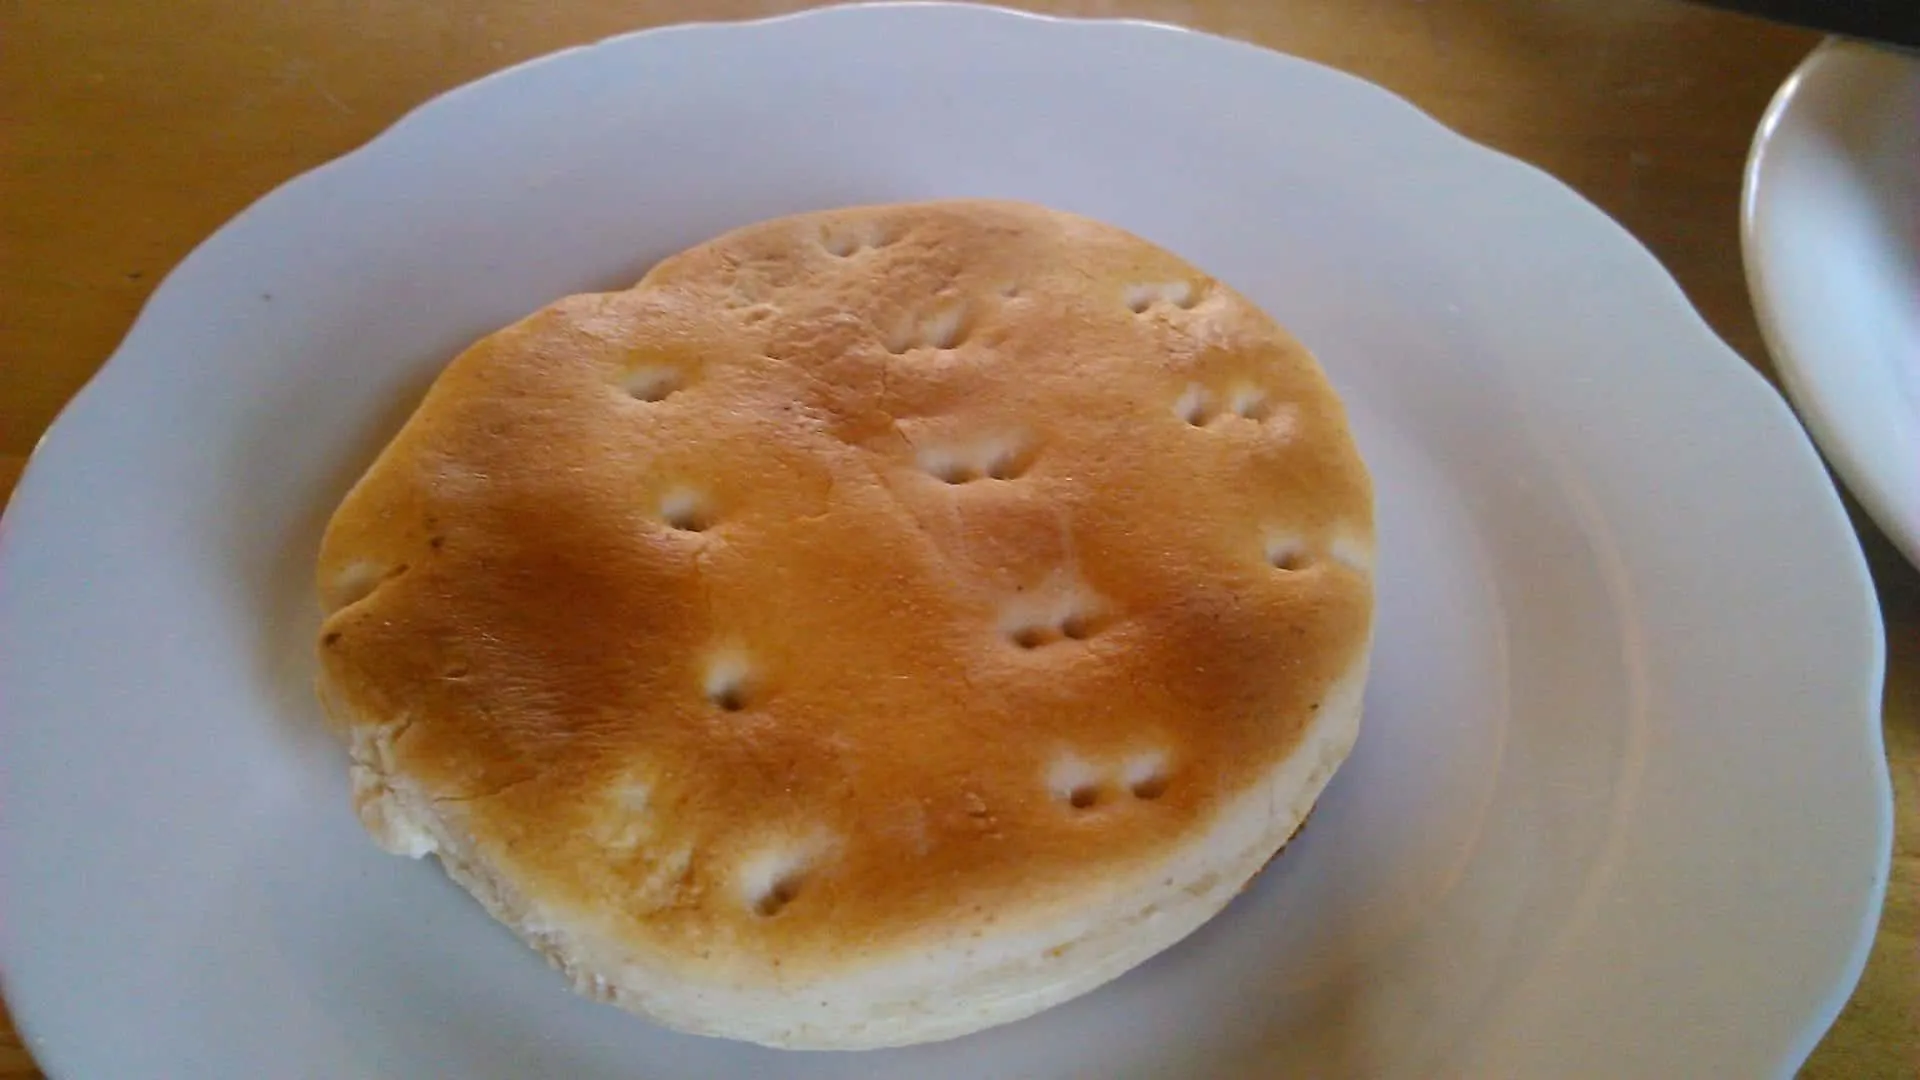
x=135 y=129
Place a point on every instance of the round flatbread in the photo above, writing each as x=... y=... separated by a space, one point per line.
x=873 y=626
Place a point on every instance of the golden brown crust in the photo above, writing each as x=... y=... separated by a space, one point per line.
x=787 y=603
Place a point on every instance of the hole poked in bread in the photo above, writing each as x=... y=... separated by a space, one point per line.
x=686 y=510
x=997 y=457
x=653 y=382
x=844 y=239
x=1250 y=402
x=358 y=580
x=1194 y=405
x=1082 y=785
x=728 y=682
x=772 y=879
x=778 y=895
x=1145 y=775
x=1141 y=296
x=1056 y=612
x=1031 y=637
x=1074 y=781
x=944 y=327
x=1074 y=626
x=1077 y=626
x=1200 y=406
x=839 y=243
x=1287 y=553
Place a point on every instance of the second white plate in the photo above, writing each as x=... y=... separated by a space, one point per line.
x=1831 y=232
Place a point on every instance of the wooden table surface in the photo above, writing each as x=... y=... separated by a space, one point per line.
x=134 y=129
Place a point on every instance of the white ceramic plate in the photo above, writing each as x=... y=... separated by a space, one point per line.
x=1619 y=808
x=1831 y=230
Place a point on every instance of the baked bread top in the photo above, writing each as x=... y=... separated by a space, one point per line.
x=855 y=577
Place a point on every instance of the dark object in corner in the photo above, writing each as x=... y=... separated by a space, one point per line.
x=1893 y=21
